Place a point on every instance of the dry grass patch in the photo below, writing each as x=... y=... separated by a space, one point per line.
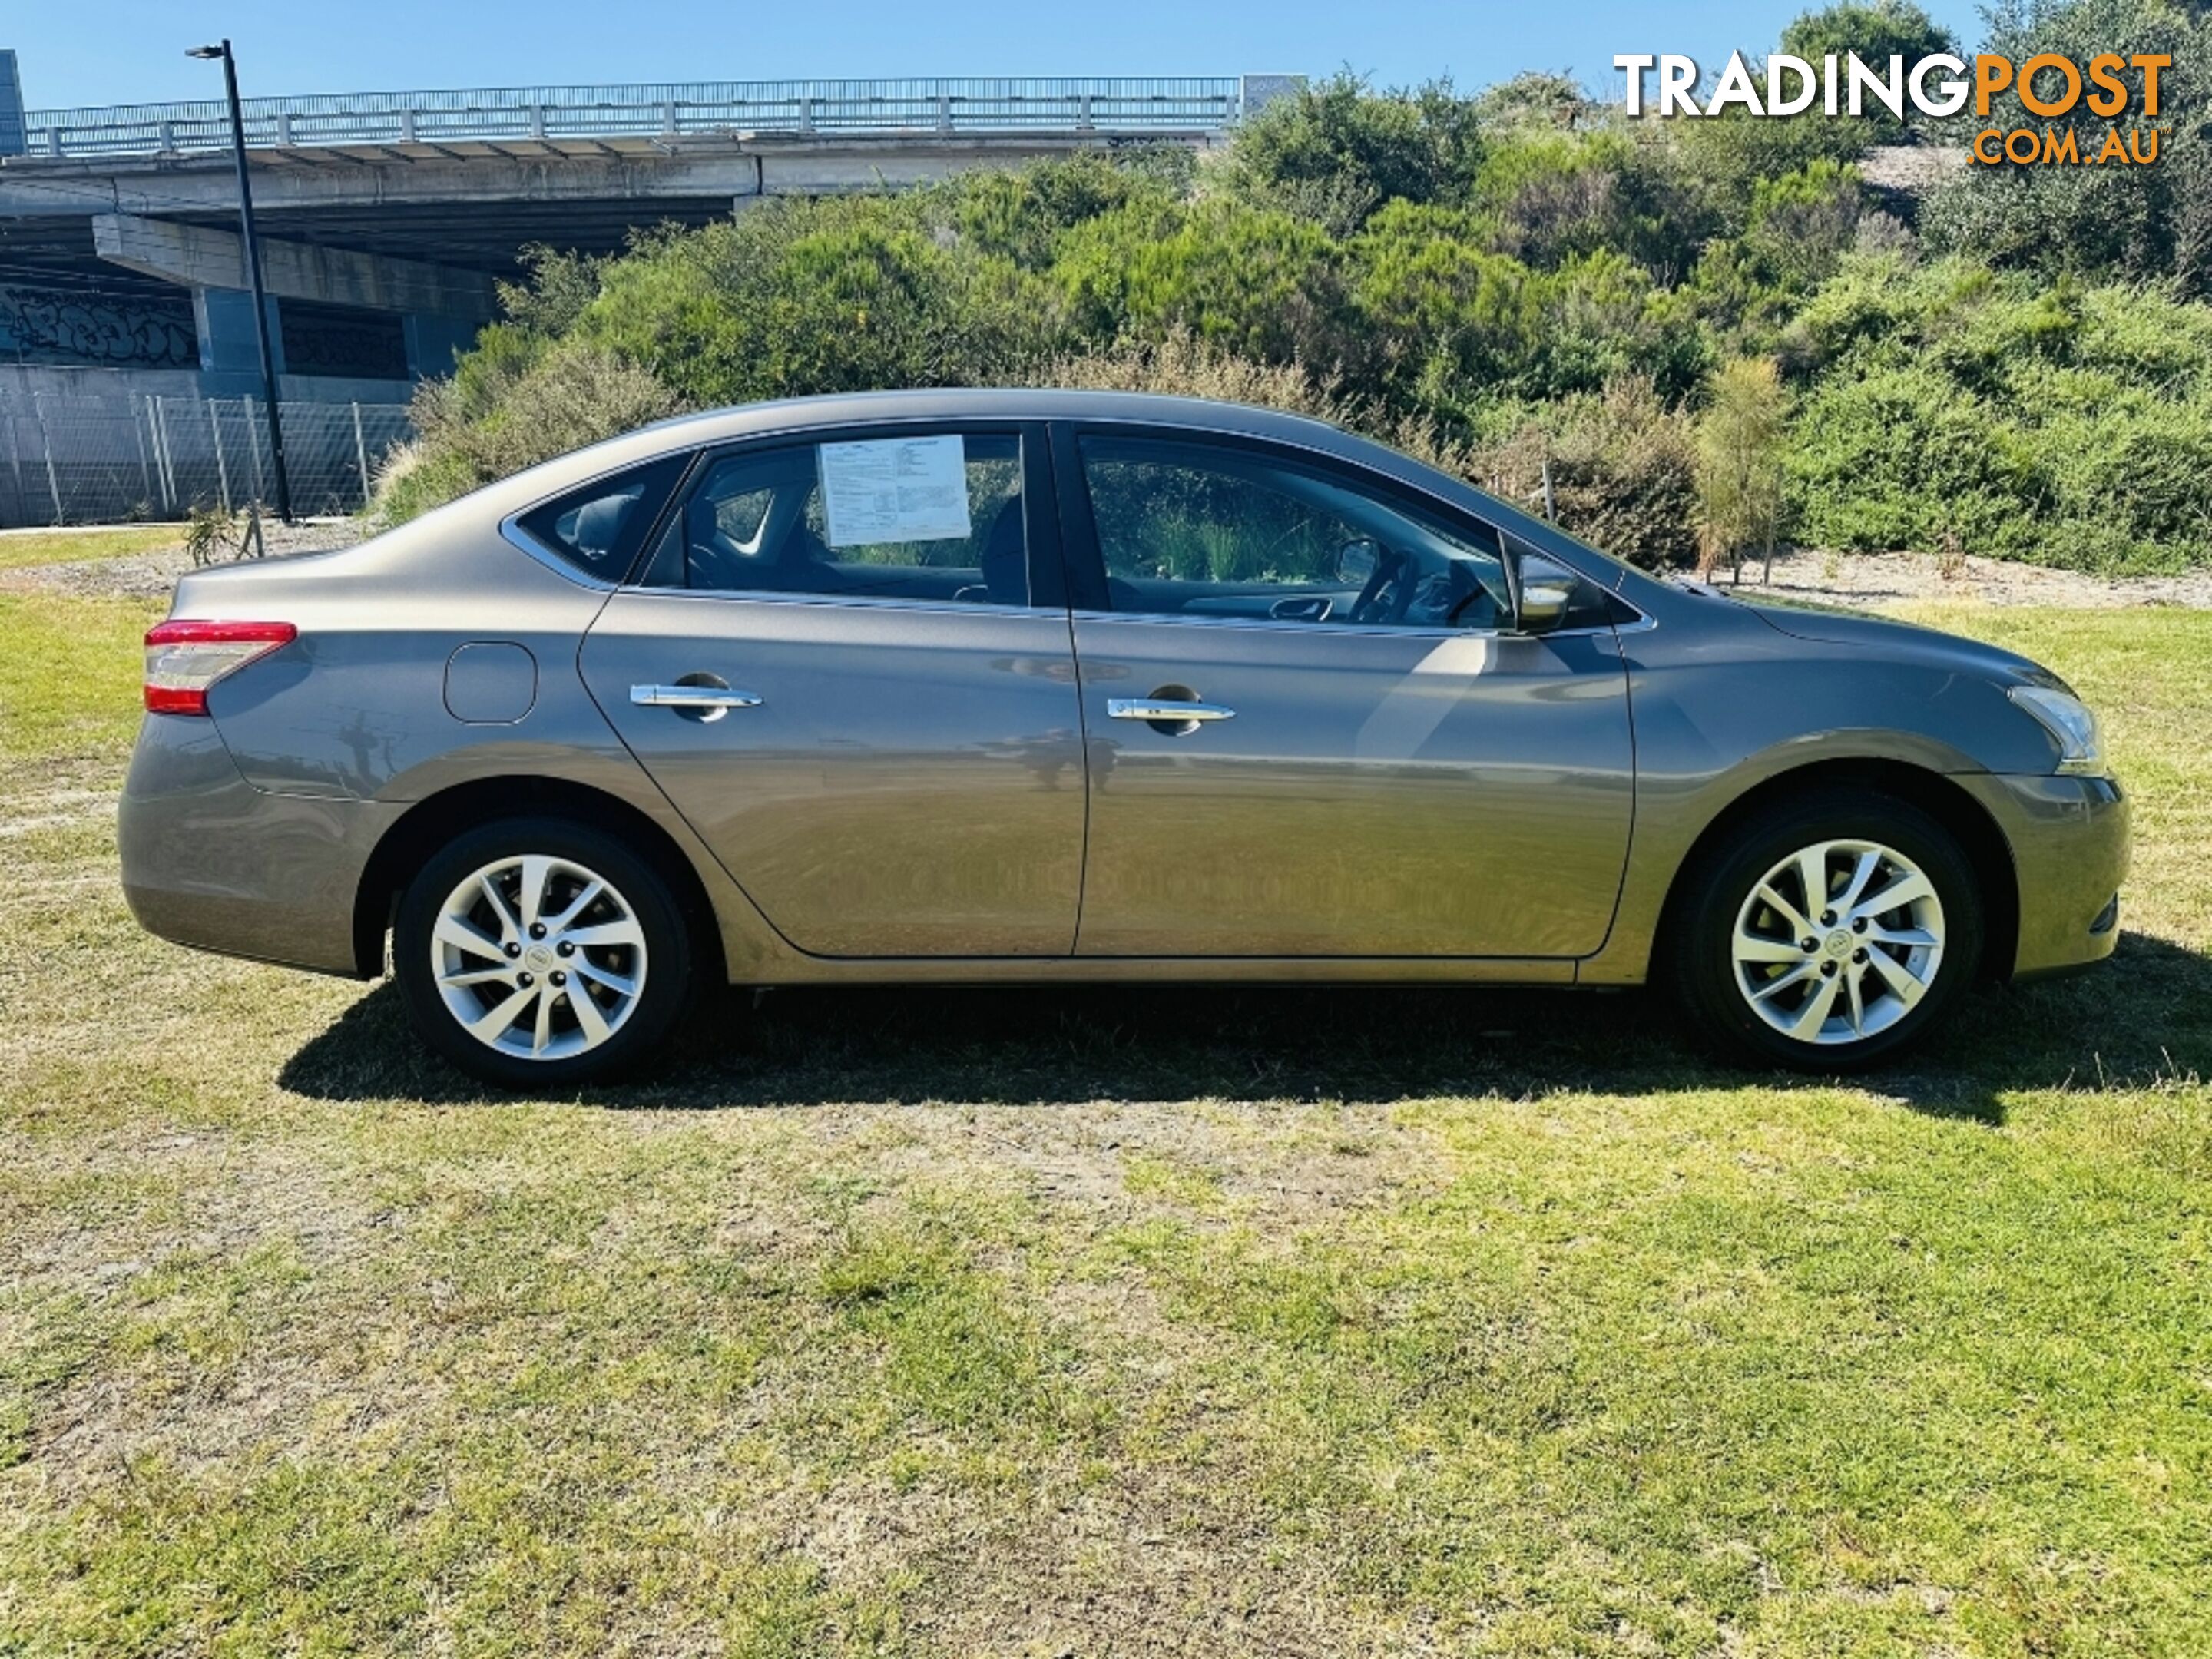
x=21 y=549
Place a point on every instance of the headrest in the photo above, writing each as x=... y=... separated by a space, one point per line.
x=600 y=524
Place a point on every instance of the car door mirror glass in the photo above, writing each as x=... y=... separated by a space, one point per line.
x=1548 y=593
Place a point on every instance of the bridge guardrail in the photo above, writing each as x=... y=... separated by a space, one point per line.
x=1120 y=105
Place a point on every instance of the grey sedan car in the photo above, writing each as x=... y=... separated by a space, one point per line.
x=984 y=686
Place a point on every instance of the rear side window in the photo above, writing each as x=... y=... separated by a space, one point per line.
x=599 y=528
x=932 y=516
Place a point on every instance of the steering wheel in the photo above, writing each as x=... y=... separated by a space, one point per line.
x=1372 y=605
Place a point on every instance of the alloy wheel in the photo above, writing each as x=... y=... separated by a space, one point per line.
x=1838 y=942
x=539 y=957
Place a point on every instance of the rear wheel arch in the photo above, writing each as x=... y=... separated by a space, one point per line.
x=433 y=822
x=1958 y=812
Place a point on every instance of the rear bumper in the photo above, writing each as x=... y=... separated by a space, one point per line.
x=2070 y=842
x=212 y=862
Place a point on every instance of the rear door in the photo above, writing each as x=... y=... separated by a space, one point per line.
x=847 y=661
x=1313 y=731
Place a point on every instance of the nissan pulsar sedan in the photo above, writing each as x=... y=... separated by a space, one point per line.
x=987 y=686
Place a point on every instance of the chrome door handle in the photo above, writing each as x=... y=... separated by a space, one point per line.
x=691 y=697
x=1148 y=708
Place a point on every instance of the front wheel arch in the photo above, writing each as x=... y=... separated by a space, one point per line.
x=436 y=820
x=1957 y=811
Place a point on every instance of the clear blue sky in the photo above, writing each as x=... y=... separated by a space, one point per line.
x=97 y=52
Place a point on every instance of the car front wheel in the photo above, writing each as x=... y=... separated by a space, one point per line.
x=539 y=952
x=1829 y=934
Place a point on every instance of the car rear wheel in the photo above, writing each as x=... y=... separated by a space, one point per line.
x=537 y=952
x=1829 y=934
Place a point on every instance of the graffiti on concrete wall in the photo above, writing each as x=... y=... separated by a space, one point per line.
x=332 y=340
x=39 y=325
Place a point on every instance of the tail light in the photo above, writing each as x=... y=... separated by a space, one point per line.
x=184 y=658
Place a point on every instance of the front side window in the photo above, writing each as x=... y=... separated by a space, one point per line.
x=934 y=516
x=1204 y=530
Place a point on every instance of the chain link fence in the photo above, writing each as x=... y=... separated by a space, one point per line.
x=115 y=460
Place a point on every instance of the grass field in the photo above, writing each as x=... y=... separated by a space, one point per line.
x=1098 y=1322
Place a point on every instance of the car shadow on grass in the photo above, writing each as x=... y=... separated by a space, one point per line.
x=2145 y=1014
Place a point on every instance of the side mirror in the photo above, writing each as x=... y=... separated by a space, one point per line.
x=1357 y=562
x=1548 y=593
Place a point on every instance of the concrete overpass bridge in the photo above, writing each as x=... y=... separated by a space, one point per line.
x=387 y=217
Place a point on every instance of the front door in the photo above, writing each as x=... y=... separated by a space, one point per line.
x=836 y=668
x=1312 y=732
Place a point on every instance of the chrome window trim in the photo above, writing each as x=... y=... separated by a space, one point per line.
x=1285 y=625
x=516 y=536
x=521 y=539
x=1280 y=624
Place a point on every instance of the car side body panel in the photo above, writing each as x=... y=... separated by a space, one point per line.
x=1725 y=703
x=2071 y=840
x=361 y=706
x=250 y=833
x=910 y=783
x=1384 y=792
x=211 y=861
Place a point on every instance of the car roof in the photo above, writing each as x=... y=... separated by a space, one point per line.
x=993 y=403
x=861 y=409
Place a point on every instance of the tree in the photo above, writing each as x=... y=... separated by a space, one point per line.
x=1877 y=33
x=1336 y=151
x=1740 y=441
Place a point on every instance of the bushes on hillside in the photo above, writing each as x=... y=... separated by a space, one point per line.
x=517 y=399
x=793 y=297
x=1254 y=280
x=1509 y=284
x=2060 y=424
x=2134 y=223
x=1333 y=154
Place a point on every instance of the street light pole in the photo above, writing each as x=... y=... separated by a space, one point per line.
x=254 y=275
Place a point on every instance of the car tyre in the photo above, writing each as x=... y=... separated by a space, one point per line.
x=1828 y=933
x=539 y=952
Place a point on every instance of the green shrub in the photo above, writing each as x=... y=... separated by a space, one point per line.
x=793 y=297
x=1438 y=313
x=1258 y=281
x=1623 y=467
x=1740 y=440
x=1554 y=197
x=516 y=401
x=2055 y=423
x=2136 y=222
